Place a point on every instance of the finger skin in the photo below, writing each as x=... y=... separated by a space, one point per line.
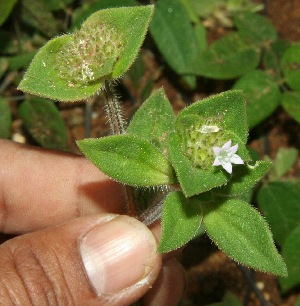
x=169 y=287
x=45 y=268
x=39 y=188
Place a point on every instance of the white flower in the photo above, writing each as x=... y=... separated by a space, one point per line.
x=226 y=156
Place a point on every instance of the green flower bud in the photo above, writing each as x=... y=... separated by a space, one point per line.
x=201 y=137
x=90 y=54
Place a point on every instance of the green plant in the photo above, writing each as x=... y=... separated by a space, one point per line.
x=191 y=169
x=189 y=156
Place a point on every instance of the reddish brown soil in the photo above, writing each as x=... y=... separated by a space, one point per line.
x=285 y=15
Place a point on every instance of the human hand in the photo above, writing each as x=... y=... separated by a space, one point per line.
x=73 y=247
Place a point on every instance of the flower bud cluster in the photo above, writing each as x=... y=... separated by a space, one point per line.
x=89 y=50
x=201 y=137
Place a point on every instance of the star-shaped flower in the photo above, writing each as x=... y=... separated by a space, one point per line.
x=226 y=156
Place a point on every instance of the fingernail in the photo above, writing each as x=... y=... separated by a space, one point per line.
x=118 y=254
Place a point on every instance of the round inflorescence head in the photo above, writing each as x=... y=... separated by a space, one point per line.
x=200 y=139
x=89 y=55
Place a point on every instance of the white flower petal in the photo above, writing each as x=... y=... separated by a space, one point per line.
x=217 y=162
x=227 y=145
x=235 y=159
x=226 y=156
x=216 y=150
x=233 y=149
x=227 y=167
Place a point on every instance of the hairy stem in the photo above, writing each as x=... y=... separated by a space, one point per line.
x=154 y=211
x=152 y=214
x=117 y=126
x=113 y=111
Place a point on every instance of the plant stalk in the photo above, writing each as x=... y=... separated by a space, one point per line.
x=117 y=127
x=152 y=214
x=113 y=111
x=251 y=283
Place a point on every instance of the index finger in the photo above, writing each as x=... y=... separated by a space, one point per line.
x=39 y=188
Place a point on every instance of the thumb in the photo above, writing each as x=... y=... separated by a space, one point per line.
x=100 y=260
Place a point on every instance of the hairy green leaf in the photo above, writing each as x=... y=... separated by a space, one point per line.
x=181 y=218
x=84 y=11
x=43 y=121
x=285 y=159
x=280 y=203
x=291 y=255
x=43 y=78
x=199 y=28
x=230 y=106
x=262 y=95
x=272 y=56
x=243 y=179
x=154 y=120
x=228 y=58
x=132 y=23
x=290 y=64
x=255 y=29
x=291 y=102
x=243 y=234
x=227 y=110
x=129 y=159
x=175 y=37
x=192 y=180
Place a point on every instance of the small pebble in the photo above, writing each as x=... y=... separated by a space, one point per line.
x=260 y=285
x=17 y=137
x=267 y=296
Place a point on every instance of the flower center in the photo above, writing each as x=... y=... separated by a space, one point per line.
x=225 y=155
x=201 y=137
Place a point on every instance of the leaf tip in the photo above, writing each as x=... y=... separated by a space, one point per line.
x=282 y=268
x=21 y=85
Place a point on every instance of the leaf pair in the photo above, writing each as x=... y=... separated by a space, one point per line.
x=235 y=227
x=44 y=77
x=153 y=146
